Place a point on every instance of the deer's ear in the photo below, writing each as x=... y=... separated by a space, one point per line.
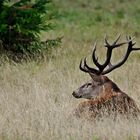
x=96 y=78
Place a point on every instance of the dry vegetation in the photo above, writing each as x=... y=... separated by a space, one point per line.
x=35 y=98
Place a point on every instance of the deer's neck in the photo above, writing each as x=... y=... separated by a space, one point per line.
x=109 y=91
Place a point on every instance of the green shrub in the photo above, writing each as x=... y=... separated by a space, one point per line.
x=21 y=23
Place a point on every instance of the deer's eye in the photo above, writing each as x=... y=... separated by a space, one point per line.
x=89 y=84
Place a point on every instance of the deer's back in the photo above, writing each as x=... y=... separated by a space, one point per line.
x=120 y=104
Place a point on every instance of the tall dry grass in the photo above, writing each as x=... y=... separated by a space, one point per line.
x=36 y=101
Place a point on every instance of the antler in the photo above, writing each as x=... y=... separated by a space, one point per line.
x=101 y=67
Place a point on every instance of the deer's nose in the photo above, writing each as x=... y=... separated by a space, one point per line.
x=76 y=95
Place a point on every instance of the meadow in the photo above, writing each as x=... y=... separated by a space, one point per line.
x=36 y=96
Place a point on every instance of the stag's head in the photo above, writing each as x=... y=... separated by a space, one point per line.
x=99 y=83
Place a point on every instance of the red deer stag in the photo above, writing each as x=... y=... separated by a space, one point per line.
x=104 y=96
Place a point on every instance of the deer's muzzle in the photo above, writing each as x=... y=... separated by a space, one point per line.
x=75 y=94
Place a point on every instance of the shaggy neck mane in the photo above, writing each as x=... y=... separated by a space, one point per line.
x=108 y=93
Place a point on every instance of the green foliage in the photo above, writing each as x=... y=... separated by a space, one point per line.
x=22 y=22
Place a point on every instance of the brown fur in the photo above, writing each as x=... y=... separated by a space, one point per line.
x=111 y=102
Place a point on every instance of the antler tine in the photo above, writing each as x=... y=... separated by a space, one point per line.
x=107 y=44
x=109 y=52
x=95 y=60
x=91 y=70
x=86 y=68
x=129 y=38
x=116 y=40
x=108 y=55
x=120 y=44
x=135 y=49
x=129 y=50
x=81 y=68
x=114 y=45
x=133 y=43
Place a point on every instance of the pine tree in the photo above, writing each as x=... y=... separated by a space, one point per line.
x=21 y=23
